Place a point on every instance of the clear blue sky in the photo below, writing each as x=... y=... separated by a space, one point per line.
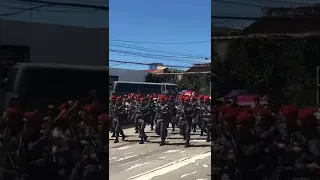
x=162 y=21
x=58 y=14
x=229 y=9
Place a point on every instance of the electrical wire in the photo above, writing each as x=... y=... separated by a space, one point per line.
x=269 y=36
x=48 y=4
x=46 y=10
x=261 y=6
x=152 y=48
x=150 y=56
x=192 y=42
x=238 y=3
x=28 y=9
x=104 y=8
x=176 y=54
x=148 y=64
x=263 y=18
x=288 y=2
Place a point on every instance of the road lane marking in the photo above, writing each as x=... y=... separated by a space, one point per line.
x=123 y=147
x=188 y=174
x=137 y=165
x=158 y=154
x=169 y=167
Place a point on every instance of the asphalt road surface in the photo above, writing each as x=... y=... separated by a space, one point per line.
x=129 y=160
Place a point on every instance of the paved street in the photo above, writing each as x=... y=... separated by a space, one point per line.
x=132 y=161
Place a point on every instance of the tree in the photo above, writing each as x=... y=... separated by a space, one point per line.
x=285 y=69
x=151 y=78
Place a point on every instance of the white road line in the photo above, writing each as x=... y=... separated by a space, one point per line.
x=158 y=154
x=172 y=151
x=198 y=140
x=168 y=167
x=113 y=158
x=137 y=165
x=123 y=147
x=139 y=159
x=188 y=174
x=127 y=157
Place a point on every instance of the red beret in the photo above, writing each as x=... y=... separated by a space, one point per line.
x=103 y=117
x=244 y=117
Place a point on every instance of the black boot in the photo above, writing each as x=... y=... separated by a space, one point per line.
x=187 y=144
x=201 y=133
x=208 y=139
x=116 y=141
x=162 y=142
x=123 y=137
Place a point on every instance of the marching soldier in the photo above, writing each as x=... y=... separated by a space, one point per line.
x=142 y=118
x=186 y=124
x=111 y=113
x=119 y=112
x=173 y=112
x=162 y=119
x=152 y=107
x=206 y=118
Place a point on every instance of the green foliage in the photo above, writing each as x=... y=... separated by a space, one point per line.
x=285 y=69
x=151 y=78
x=197 y=82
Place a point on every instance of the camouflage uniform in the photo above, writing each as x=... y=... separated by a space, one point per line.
x=162 y=119
x=186 y=123
x=142 y=118
x=119 y=112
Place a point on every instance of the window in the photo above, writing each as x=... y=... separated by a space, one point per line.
x=172 y=87
x=61 y=84
x=143 y=88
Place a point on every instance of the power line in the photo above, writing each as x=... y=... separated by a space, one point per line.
x=104 y=8
x=147 y=64
x=28 y=9
x=44 y=10
x=271 y=35
x=260 y=6
x=192 y=42
x=151 y=56
x=238 y=3
x=176 y=54
x=157 y=50
x=265 y=18
x=288 y=2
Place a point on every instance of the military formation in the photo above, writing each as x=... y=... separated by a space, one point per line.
x=188 y=113
x=264 y=142
x=69 y=141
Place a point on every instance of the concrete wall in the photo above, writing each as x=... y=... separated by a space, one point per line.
x=129 y=74
x=57 y=43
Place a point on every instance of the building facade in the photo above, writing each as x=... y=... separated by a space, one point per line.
x=154 y=66
x=48 y=43
x=128 y=74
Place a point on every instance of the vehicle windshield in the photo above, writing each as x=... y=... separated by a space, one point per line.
x=111 y=86
x=10 y=81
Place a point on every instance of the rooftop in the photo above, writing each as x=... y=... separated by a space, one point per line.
x=283 y=26
x=204 y=67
